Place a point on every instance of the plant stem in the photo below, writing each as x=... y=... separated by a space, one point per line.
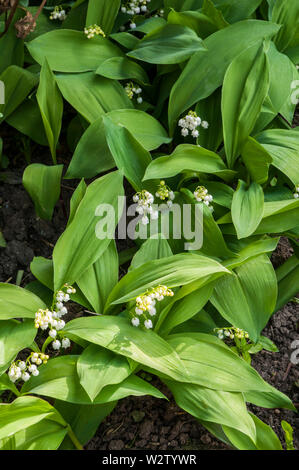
x=74 y=439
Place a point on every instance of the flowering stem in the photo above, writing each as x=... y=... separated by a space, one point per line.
x=74 y=439
x=10 y=18
x=48 y=341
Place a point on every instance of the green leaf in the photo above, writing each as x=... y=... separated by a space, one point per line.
x=288 y=281
x=188 y=157
x=170 y=44
x=247 y=208
x=18 y=83
x=286 y=14
x=215 y=406
x=245 y=87
x=283 y=146
x=14 y=336
x=33 y=125
x=174 y=271
x=71 y=51
x=12 y=48
x=16 y=302
x=288 y=434
x=45 y=435
x=42 y=182
x=154 y=248
x=247 y=299
x=79 y=246
x=98 y=367
x=76 y=198
x=212 y=364
x=59 y=379
x=98 y=280
x=51 y=106
x=129 y=155
x=102 y=13
x=92 y=155
x=92 y=95
x=25 y=412
x=121 y=68
x=119 y=336
x=187 y=308
x=257 y=160
x=83 y=419
x=208 y=68
x=266 y=439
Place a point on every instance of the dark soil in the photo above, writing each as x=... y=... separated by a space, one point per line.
x=143 y=422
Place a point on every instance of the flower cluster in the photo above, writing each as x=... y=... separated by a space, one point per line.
x=201 y=195
x=296 y=193
x=23 y=369
x=191 y=122
x=164 y=192
x=144 y=207
x=58 y=14
x=134 y=7
x=146 y=304
x=231 y=333
x=93 y=31
x=51 y=319
x=133 y=90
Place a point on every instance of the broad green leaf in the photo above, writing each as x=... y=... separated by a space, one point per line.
x=25 y=412
x=92 y=155
x=199 y=22
x=45 y=435
x=119 y=336
x=283 y=147
x=245 y=87
x=215 y=406
x=98 y=367
x=14 y=336
x=92 y=95
x=42 y=182
x=121 y=68
x=84 y=240
x=16 y=302
x=186 y=308
x=18 y=83
x=286 y=14
x=247 y=208
x=71 y=51
x=288 y=281
x=83 y=419
x=60 y=380
x=247 y=299
x=153 y=248
x=251 y=250
x=257 y=160
x=212 y=364
x=279 y=216
x=51 y=106
x=279 y=98
x=12 y=48
x=102 y=13
x=266 y=439
x=170 y=44
x=188 y=157
x=130 y=157
x=33 y=125
x=208 y=68
x=174 y=271
x=100 y=278
x=76 y=198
